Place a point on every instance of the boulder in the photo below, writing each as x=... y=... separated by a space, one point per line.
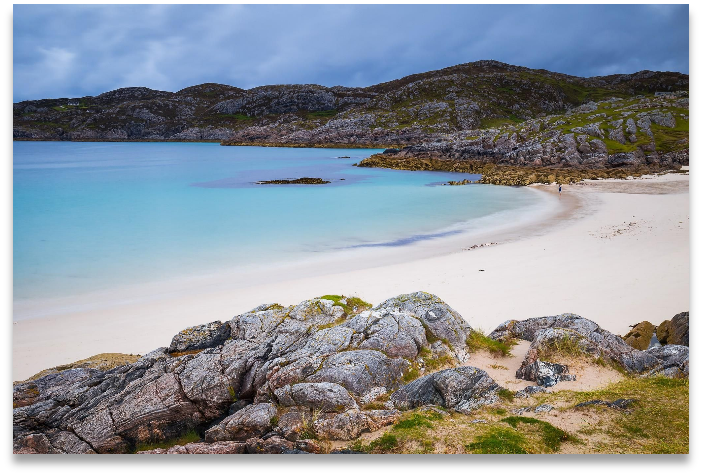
x=593 y=340
x=272 y=445
x=675 y=331
x=529 y=391
x=200 y=337
x=349 y=425
x=216 y=448
x=462 y=389
x=393 y=332
x=323 y=396
x=545 y=374
x=360 y=370
x=252 y=421
x=639 y=337
x=437 y=316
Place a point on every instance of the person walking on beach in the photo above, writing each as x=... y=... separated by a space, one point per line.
x=559 y=189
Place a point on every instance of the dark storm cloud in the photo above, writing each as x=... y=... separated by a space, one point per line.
x=70 y=51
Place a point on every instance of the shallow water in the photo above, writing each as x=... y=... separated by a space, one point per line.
x=91 y=216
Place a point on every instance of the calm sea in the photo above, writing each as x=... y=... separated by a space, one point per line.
x=90 y=216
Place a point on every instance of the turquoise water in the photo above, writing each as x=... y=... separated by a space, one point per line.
x=90 y=216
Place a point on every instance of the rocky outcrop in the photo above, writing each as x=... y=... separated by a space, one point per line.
x=200 y=337
x=675 y=331
x=462 y=389
x=218 y=448
x=250 y=421
x=349 y=425
x=284 y=376
x=639 y=337
x=545 y=374
x=544 y=332
x=311 y=359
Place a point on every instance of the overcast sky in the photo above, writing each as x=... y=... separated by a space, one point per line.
x=73 y=51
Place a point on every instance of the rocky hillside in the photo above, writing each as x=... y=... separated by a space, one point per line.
x=643 y=131
x=319 y=375
x=427 y=107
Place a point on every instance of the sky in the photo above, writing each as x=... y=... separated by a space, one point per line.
x=81 y=50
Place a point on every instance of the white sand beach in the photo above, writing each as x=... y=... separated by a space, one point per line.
x=616 y=252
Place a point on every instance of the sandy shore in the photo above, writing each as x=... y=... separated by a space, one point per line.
x=616 y=252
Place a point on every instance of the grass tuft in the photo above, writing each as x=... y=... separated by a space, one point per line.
x=498 y=441
x=478 y=340
x=353 y=305
x=551 y=436
x=190 y=436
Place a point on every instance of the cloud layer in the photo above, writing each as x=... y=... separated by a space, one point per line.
x=72 y=51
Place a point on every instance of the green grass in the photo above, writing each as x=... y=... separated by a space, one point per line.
x=552 y=437
x=238 y=117
x=478 y=340
x=498 y=441
x=506 y=394
x=354 y=305
x=659 y=421
x=669 y=139
x=435 y=363
x=190 y=436
x=411 y=430
x=329 y=113
x=566 y=346
x=418 y=420
x=232 y=393
x=497 y=122
x=411 y=374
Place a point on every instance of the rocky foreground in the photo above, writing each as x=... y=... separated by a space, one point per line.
x=292 y=379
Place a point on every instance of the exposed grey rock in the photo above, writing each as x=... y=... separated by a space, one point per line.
x=529 y=391
x=349 y=425
x=308 y=358
x=630 y=126
x=254 y=420
x=360 y=370
x=272 y=445
x=293 y=423
x=545 y=374
x=322 y=396
x=666 y=120
x=373 y=394
x=200 y=337
x=675 y=331
x=618 y=135
x=674 y=360
x=395 y=333
x=438 y=317
x=620 y=404
x=462 y=389
x=592 y=339
x=545 y=408
x=216 y=448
